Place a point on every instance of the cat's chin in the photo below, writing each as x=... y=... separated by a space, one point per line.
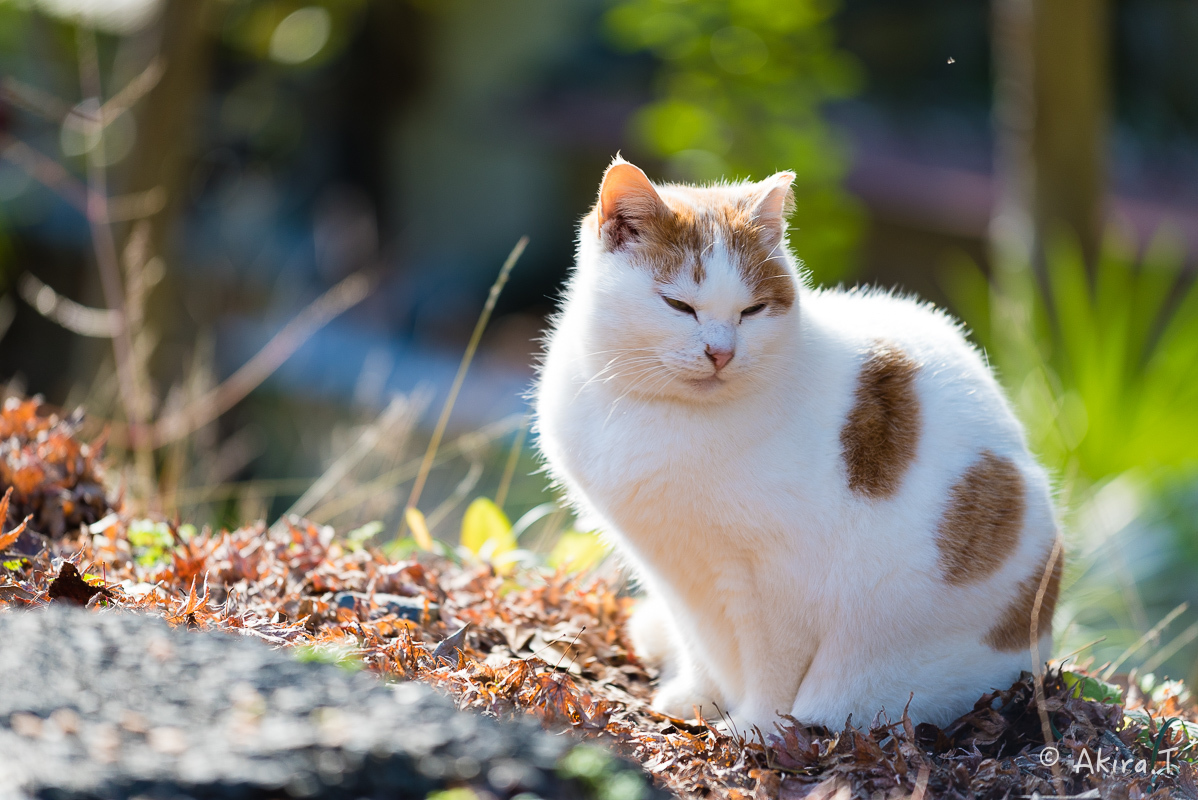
x=712 y=383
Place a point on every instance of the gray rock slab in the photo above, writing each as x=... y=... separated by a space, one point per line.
x=118 y=705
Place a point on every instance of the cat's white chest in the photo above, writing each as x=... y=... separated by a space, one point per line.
x=659 y=469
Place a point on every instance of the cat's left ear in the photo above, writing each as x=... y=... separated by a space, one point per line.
x=774 y=202
x=627 y=199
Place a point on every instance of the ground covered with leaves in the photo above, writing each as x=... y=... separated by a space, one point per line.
x=549 y=644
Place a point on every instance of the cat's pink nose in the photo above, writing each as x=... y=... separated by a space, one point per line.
x=720 y=356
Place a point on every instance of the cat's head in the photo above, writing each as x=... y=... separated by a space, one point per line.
x=691 y=292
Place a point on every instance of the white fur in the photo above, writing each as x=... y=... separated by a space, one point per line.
x=772 y=587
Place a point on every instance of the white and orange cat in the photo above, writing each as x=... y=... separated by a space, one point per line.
x=824 y=493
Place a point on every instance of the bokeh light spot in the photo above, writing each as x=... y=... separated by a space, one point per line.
x=301 y=35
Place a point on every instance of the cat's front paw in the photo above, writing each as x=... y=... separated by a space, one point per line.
x=679 y=699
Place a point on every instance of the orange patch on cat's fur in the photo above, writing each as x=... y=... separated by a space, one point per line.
x=879 y=437
x=1012 y=632
x=981 y=526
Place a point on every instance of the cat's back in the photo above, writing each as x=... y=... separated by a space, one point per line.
x=925 y=426
x=908 y=352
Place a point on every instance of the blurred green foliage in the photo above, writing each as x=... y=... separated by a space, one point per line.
x=740 y=89
x=1103 y=366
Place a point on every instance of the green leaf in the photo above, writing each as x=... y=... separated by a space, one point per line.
x=151 y=541
x=346 y=658
x=486 y=531
x=1146 y=738
x=358 y=537
x=148 y=533
x=1090 y=688
x=399 y=549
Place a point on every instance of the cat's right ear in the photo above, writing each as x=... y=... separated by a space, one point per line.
x=627 y=200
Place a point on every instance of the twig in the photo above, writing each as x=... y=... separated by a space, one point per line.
x=407 y=470
x=131 y=388
x=44 y=170
x=1145 y=639
x=1038 y=674
x=439 y=431
x=1167 y=652
x=100 y=323
x=32 y=99
x=134 y=90
x=509 y=469
x=58 y=179
x=396 y=410
x=1060 y=660
x=336 y=301
x=138 y=205
x=921 y=783
x=459 y=493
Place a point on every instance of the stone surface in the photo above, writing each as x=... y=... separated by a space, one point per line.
x=116 y=705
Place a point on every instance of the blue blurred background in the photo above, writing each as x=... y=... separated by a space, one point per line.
x=1031 y=165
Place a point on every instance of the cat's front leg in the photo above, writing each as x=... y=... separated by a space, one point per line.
x=657 y=643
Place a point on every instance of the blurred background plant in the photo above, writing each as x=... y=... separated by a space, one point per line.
x=253 y=238
x=740 y=92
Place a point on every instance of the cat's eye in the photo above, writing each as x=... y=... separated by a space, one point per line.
x=678 y=305
x=754 y=309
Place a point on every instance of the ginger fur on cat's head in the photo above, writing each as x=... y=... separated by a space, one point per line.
x=693 y=289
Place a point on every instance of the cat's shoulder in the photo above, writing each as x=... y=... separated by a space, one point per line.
x=867 y=314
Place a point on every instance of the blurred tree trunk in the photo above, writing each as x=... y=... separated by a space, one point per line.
x=168 y=116
x=170 y=119
x=1051 y=85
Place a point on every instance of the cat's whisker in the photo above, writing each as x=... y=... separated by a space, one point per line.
x=614 y=363
x=635 y=370
x=665 y=375
x=634 y=373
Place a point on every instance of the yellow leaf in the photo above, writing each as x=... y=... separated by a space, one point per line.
x=577 y=551
x=486 y=531
x=419 y=528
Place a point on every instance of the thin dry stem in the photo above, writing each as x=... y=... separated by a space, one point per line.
x=398 y=411
x=1152 y=635
x=44 y=170
x=1168 y=651
x=132 y=385
x=336 y=301
x=34 y=100
x=395 y=477
x=467 y=357
x=1058 y=547
x=100 y=323
x=133 y=91
x=509 y=469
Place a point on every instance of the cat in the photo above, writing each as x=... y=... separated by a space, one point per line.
x=824 y=493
